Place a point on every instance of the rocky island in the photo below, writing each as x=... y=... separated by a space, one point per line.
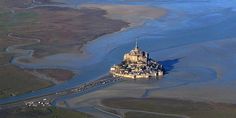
x=136 y=65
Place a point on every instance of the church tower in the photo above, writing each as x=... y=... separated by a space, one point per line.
x=137 y=64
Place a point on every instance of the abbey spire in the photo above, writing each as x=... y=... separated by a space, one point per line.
x=137 y=64
x=136 y=43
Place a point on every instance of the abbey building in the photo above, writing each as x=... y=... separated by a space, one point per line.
x=136 y=65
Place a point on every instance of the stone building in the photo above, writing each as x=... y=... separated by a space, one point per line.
x=136 y=55
x=137 y=64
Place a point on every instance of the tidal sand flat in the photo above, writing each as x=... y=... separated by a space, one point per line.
x=194 y=41
x=134 y=14
x=212 y=70
x=198 y=55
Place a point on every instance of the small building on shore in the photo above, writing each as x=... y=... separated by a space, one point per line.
x=137 y=65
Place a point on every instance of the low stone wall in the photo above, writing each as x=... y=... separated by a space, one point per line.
x=130 y=76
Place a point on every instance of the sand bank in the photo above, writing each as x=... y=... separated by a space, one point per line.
x=135 y=15
x=56 y=76
x=218 y=84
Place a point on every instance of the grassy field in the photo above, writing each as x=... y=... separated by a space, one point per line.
x=58 y=74
x=5 y=59
x=9 y=20
x=50 y=112
x=14 y=81
x=173 y=106
x=64 y=30
x=145 y=115
x=60 y=30
x=15 y=3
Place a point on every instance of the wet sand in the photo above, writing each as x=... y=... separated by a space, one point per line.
x=204 y=72
x=198 y=55
x=217 y=84
x=134 y=14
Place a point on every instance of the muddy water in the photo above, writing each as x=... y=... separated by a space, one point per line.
x=187 y=23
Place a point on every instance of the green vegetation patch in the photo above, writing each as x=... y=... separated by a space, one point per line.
x=173 y=106
x=16 y=81
x=5 y=59
x=42 y=112
x=10 y=4
x=145 y=115
x=9 y=21
x=58 y=74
